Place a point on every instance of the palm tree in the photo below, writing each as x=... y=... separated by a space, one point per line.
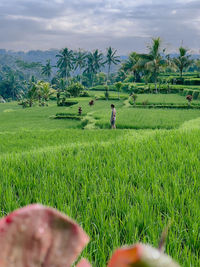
x=47 y=69
x=183 y=61
x=153 y=62
x=94 y=62
x=65 y=62
x=80 y=60
x=111 y=58
x=132 y=65
x=97 y=61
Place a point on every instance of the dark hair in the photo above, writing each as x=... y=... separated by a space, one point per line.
x=112 y=106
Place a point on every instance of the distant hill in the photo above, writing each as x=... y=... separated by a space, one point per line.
x=10 y=57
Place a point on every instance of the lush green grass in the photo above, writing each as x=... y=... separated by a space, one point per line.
x=147 y=119
x=13 y=118
x=129 y=118
x=163 y=98
x=121 y=192
x=122 y=186
x=25 y=141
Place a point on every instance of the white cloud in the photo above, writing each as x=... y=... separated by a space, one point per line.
x=88 y=23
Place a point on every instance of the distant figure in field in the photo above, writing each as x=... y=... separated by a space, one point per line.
x=113 y=117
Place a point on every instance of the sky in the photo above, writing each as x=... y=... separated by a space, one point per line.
x=126 y=25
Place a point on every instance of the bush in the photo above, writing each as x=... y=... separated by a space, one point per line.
x=24 y=103
x=67 y=103
x=67 y=94
x=125 y=86
x=75 y=89
x=106 y=93
x=185 y=92
x=84 y=94
x=129 y=79
x=189 y=92
x=195 y=94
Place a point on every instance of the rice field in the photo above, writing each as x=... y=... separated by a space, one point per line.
x=121 y=186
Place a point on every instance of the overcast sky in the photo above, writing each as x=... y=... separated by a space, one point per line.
x=126 y=25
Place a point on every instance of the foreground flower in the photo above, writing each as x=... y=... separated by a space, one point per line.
x=140 y=255
x=37 y=236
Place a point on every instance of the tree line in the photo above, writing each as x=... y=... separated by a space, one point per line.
x=85 y=68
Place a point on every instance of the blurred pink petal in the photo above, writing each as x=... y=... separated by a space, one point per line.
x=37 y=236
x=83 y=263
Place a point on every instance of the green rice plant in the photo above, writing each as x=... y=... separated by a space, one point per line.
x=120 y=191
x=195 y=95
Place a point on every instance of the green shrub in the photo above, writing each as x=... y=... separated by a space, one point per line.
x=75 y=89
x=52 y=97
x=129 y=79
x=67 y=103
x=195 y=94
x=84 y=94
x=185 y=92
x=125 y=86
x=190 y=92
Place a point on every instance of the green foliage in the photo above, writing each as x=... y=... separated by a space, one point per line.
x=66 y=103
x=103 y=88
x=75 y=89
x=65 y=62
x=68 y=116
x=195 y=95
x=134 y=97
x=106 y=93
x=183 y=61
x=129 y=79
x=195 y=81
x=85 y=94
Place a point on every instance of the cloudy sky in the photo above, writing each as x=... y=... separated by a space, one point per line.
x=126 y=25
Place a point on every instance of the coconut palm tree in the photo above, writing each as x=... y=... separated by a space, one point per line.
x=89 y=67
x=153 y=61
x=111 y=58
x=47 y=69
x=80 y=61
x=183 y=61
x=97 y=61
x=132 y=65
x=65 y=62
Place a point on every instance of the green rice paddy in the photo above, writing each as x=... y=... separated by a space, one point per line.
x=122 y=186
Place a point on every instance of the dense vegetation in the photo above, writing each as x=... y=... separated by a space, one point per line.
x=155 y=71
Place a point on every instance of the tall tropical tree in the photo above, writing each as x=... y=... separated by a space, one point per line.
x=97 y=61
x=89 y=67
x=79 y=59
x=47 y=69
x=131 y=65
x=183 y=61
x=153 y=61
x=111 y=58
x=65 y=62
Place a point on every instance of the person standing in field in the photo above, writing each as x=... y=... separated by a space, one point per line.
x=113 y=117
